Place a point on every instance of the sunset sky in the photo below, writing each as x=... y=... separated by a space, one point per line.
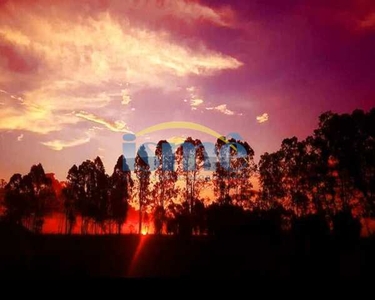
x=76 y=75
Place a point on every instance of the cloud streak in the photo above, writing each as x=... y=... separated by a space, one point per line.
x=222 y=108
x=59 y=145
x=117 y=126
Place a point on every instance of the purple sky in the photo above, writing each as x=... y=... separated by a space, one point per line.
x=74 y=77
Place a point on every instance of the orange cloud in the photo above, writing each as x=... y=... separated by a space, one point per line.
x=262 y=118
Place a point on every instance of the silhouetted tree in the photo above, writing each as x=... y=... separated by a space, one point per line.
x=271 y=173
x=121 y=184
x=72 y=193
x=235 y=167
x=325 y=181
x=143 y=173
x=347 y=144
x=2 y=195
x=3 y=183
x=290 y=177
x=222 y=169
x=101 y=194
x=86 y=189
x=43 y=196
x=296 y=176
x=192 y=159
x=89 y=188
x=171 y=218
x=199 y=217
x=338 y=139
x=17 y=199
x=165 y=172
x=164 y=189
x=243 y=169
x=183 y=219
x=159 y=219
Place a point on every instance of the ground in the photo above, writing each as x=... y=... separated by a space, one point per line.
x=56 y=256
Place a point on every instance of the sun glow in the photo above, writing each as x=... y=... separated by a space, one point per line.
x=137 y=253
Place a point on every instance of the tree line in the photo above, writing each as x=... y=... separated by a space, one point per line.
x=322 y=184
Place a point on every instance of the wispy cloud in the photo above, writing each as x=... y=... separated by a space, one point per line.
x=262 y=118
x=20 y=137
x=223 y=109
x=115 y=50
x=117 y=126
x=59 y=145
x=194 y=100
x=33 y=118
x=126 y=99
x=11 y=96
x=186 y=11
x=16 y=98
x=86 y=54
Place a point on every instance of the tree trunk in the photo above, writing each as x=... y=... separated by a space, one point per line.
x=140 y=212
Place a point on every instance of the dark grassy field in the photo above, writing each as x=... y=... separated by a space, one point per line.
x=59 y=256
